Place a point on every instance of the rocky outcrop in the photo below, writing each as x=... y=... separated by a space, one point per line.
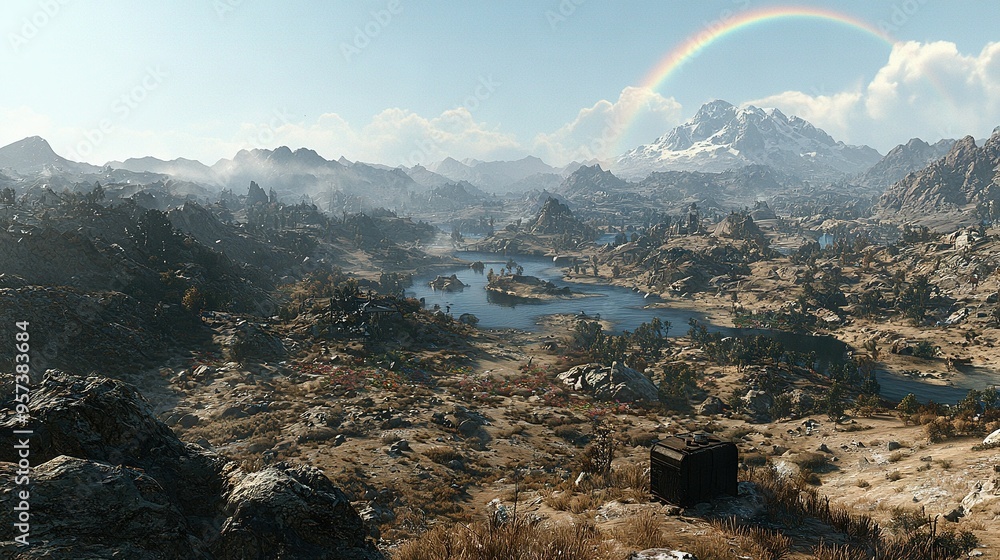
x=903 y=160
x=112 y=481
x=447 y=283
x=589 y=180
x=556 y=218
x=291 y=512
x=739 y=225
x=256 y=195
x=617 y=383
x=952 y=192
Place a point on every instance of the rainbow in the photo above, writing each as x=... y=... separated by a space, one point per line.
x=728 y=25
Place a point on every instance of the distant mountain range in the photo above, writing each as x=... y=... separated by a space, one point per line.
x=721 y=137
x=493 y=176
x=723 y=152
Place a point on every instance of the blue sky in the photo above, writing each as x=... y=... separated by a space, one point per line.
x=395 y=81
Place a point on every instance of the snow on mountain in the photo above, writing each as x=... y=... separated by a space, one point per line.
x=721 y=137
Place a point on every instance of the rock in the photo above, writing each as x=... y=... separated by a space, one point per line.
x=555 y=217
x=802 y=402
x=138 y=492
x=617 y=383
x=779 y=450
x=893 y=445
x=90 y=509
x=992 y=439
x=291 y=512
x=188 y=421
x=661 y=554
x=982 y=492
x=468 y=428
x=823 y=447
x=758 y=402
x=955 y=514
x=711 y=405
x=228 y=412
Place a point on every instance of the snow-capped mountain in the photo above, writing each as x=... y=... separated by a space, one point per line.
x=722 y=137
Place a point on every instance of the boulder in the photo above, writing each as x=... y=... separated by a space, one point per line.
x=711 y=405
x=758 y=402
x=981 y=492
x=992 y=439
x=802 y=402
x=291 y=512
x=661 y=554
x=617 y=383
x=88 y=510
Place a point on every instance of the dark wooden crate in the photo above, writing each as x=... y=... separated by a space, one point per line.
x=686 y=469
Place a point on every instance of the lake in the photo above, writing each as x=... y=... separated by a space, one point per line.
x=626 y=309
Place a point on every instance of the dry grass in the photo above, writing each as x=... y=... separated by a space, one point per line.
x=442 y=454
x=514 y=540
x=761 y=542
x=643 y=531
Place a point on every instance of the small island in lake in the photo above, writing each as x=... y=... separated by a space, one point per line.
x=527 y=288
x=448 y=283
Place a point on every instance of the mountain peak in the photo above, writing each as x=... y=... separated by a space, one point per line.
x=721 y=137
x=34 y=154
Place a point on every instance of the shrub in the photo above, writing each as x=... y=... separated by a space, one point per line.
x=939 y=429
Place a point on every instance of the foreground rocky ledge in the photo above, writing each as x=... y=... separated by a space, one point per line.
x=112 y=481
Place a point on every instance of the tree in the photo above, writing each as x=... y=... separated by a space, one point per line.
x=915 y=298
x=969 y=406
x=833 y=403
x=907 y=407
x=990 y=398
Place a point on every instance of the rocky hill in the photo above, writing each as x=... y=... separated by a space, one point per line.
x=590 y=179
x=957 y=190
x=901 y=161
x=110 y=481
x=556 y=218
x=721 y=137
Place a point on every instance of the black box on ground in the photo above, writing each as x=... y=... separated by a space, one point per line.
x=686 y=469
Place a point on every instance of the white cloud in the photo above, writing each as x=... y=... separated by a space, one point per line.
x=926 y=90
x=833 y=113
x=608 y=128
